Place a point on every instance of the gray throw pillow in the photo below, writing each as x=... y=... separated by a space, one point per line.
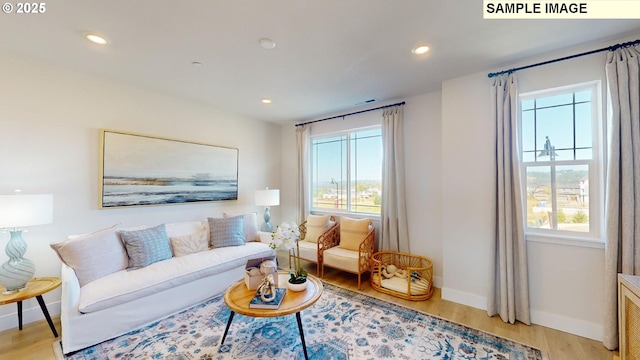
x=226 y=231
x=146 y=246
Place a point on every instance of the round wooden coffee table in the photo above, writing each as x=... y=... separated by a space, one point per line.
x=237 y=298
x=35 y=288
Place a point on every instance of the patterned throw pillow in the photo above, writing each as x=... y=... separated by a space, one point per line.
x=94 y=255
x=226 y=231
x=250 y=226
x=147 y=246
x=352 y=232
x=316 y=225
x=189 y=244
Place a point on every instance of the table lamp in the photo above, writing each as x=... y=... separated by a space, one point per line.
x=267 y=198
x=16 y=212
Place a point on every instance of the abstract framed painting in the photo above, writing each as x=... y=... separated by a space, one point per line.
x=139 y=170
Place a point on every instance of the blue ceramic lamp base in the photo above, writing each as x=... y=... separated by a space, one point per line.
x=17 y=271
x=266 y=226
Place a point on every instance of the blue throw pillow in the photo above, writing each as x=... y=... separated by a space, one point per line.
x=146 y=246
x=226 y=231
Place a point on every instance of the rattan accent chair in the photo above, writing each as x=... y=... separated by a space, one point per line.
x=313 y=251
x=355 y=257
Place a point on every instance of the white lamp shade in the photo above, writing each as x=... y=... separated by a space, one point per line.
x=268 y=197
x=25 y=210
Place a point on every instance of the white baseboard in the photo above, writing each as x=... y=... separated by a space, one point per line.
x=29 y=315
x=570 y=325
x=464 y=298
x=437 y=282
x=550 y=320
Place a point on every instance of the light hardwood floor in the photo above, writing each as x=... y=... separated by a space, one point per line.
x=34 y=341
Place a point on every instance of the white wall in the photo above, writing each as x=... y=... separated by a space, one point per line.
x=49 y=130
x=423 y=159
x=565 y=282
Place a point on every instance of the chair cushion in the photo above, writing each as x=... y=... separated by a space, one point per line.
x=226 y=231
x=340 y=258
x=308 y=250
x=92 y=256
x=146 y=246
x=316 y=226
x=352 y=232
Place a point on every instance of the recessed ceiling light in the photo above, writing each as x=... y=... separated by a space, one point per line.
x=267 y=43
x=96 y=38
x=420 y=49
x=266 y=101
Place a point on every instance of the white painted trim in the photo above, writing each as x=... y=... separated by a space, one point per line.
x=464 y=298
x=573 y=326
x=437 y=282
x=550 y=320
x=29 y=315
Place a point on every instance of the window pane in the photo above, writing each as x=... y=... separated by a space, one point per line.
x=584 y=154
x=539 y=205
x=346 y=171
x=366 y=171
x=528 y=131
x=583 y=96
x=329 y=161
x=584 y=137
x=557 y=124
x=562 y=155
x=528 y=156
x=554 y=100
x=527 y=104
x=572 y=194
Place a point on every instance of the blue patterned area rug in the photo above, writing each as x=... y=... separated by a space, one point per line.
x=343 y=324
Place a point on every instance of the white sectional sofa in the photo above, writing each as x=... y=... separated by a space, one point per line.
x=119 y=302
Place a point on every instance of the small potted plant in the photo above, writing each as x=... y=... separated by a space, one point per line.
x=287 y=236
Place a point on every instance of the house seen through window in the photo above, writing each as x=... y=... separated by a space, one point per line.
x=560 y=160
x=346 y=171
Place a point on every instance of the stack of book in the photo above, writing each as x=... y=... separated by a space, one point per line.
x=257 y=303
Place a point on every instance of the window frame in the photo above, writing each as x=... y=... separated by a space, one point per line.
x=595 y=237
x=347 y=133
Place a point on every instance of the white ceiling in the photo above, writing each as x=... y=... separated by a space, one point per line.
x=330 y=54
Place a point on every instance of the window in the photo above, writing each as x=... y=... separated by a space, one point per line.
x=346 y=171
x=561 y=167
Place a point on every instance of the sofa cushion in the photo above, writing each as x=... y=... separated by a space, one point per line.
x=316 y=226
x=146 y=246
x=94 y=255
x=226 y=232
x=352 y=232
x=249 y=226
x=124 y=286
x=308 y=250
x=189 y=244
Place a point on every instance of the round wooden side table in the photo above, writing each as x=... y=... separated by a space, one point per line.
x=35 y=288
x=237 y=298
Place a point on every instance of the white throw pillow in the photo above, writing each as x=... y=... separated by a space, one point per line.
x=94 y=255
x=189 y=244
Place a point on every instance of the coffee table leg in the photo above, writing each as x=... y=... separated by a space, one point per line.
x=227 y=328
x=43 y=306
x=19 y=315
x=304 y=345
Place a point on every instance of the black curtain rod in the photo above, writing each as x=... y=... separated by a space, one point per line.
x=608 y=48
x=353 y=113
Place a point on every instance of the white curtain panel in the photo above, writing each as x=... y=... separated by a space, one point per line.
x=302 y=183
x=509 y=290
x=393 y=216
x=622 y=251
